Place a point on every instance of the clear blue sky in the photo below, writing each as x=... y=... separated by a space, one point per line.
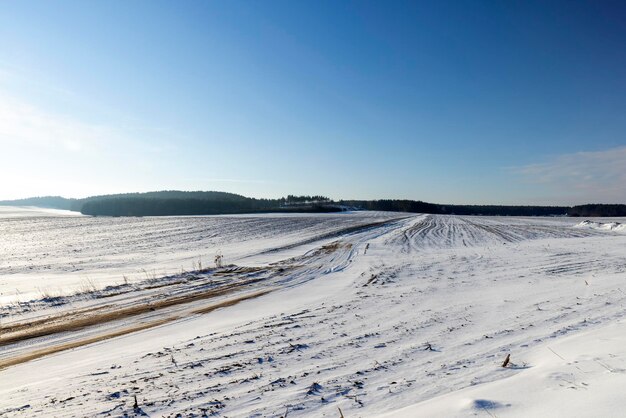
x=451 y=102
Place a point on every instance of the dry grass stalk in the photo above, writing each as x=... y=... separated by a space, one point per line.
x=506 y=360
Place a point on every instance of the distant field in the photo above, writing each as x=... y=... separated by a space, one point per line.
x=31 y=211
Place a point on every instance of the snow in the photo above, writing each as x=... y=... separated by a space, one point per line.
x=603 y=226
x=66 y=254
x=32 y=211
x=412 y=316
x=577 y=376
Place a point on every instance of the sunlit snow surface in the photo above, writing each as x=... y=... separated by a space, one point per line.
x=57 y=255
x=603 y=226
x=410 y=317
x=31 y=211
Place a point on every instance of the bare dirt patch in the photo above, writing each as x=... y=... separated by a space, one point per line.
x=34 y=354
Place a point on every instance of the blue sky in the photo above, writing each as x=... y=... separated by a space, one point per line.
x=451 y=102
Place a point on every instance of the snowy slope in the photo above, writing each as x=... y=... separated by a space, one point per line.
x=32 y=211
x=411 y=317
x=602 y=226
x=582 y=375
x=62 y=255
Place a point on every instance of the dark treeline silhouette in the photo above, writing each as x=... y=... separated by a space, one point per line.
x=496 y=210
x=58 y=202
x=52 y=202
x=424 y=207
x=597 y=210
x=414 y=206
x=137 y=206
x=137 y=203
x=154 y=206
x=305 y=199
x=174 y=202
x=157 y=206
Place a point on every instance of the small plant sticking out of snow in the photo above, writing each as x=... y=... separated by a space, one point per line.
x=197 y=265
x=219 y=259
x=314 y=389
x=87 y=286
x=506 y=360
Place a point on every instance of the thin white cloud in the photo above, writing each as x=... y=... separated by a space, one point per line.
x=26 y=124
x=582 y=177
x=44 y=152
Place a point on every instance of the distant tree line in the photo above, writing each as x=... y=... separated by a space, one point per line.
x=139 y=206
x=52 y=202
x=305 y=199
x=497 y=210
x=414 y=206
x=432 y=208
x=174 y=202
x=592 y=210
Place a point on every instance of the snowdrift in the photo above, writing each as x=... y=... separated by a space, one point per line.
x=608 y=226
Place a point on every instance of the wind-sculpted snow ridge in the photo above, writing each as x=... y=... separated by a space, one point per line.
x=370 y=322
x=443 y=231
x=581 y=375
x=606 y=226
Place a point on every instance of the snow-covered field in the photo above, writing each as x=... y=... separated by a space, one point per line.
x=359 y=315
x=44 y=255
x=31 y=211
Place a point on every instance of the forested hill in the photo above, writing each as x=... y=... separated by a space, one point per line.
x=58 y=202
x=597 y=210
x=174 y=202
x=51 y=202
